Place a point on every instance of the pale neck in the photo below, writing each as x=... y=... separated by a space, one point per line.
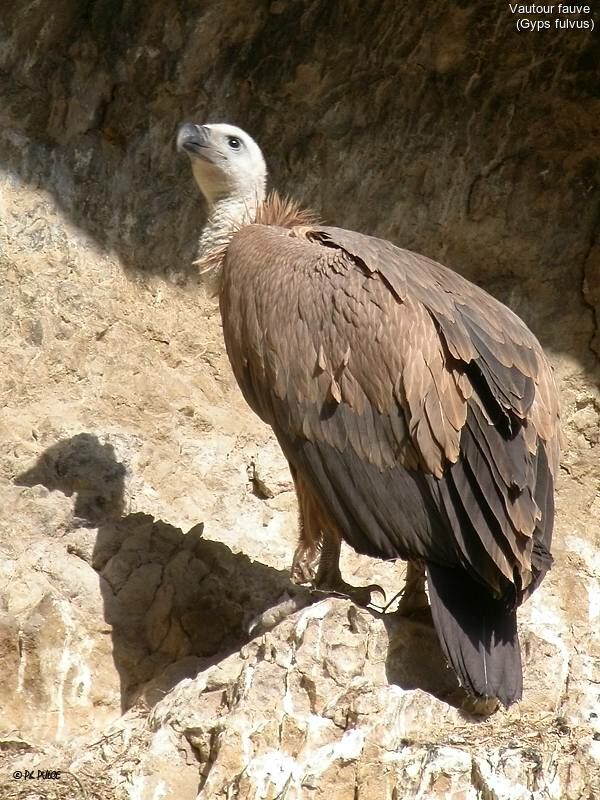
x=226 y=216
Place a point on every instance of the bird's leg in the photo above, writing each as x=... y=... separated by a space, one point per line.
x=320 y=540
x=414 y=602
x=306 y=555
x=316 y=562
x=329 y=578
x=318 y=565
x=304 y=567
x=305 y=563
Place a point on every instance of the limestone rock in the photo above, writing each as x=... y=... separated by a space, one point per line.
x=147 y=517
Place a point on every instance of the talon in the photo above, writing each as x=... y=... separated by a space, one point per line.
x=375 y=588
x=361 y=595
x=392 y=601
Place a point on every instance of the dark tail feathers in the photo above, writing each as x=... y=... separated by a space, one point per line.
x=478 y=634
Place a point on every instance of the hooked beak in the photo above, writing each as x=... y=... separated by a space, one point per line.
x=193 y=140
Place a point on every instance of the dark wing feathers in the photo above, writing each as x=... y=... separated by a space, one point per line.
x=496 y=455
x=388 y=514
x=512 y=389
x=421 y=410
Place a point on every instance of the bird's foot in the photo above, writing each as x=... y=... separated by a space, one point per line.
x=361 y=595
x=318 y=568
x=414 y=603
x=288 y=605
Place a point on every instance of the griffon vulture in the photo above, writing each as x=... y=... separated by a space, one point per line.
x=418 y=414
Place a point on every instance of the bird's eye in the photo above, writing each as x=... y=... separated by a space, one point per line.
x=234 y=142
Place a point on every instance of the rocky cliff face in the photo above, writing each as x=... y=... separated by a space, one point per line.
x=148 y=517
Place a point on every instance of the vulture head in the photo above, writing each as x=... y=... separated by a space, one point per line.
x=230 y=171
x=227 y=163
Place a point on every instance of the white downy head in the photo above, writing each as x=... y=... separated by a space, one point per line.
x=231 y=173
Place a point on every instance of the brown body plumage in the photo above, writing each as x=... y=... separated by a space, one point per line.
x=418 y=414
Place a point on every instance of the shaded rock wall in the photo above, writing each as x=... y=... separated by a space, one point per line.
x=123 y=640
x=442 y=128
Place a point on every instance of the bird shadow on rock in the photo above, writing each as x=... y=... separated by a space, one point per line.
x=175 y=602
